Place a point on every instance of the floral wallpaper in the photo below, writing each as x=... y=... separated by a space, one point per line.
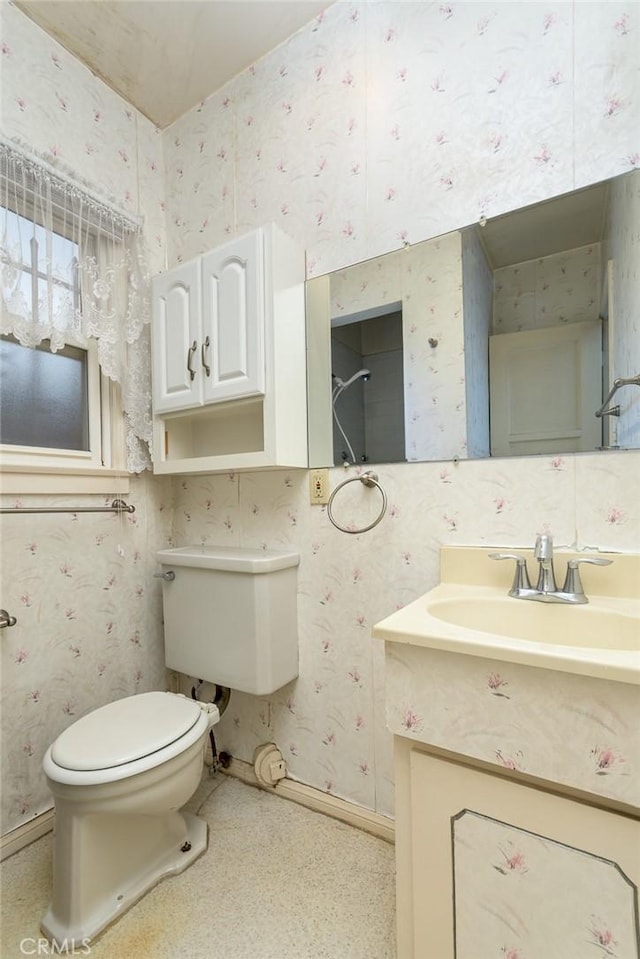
x=391 y=122
x=56 y=107
x=88 y=612
x=473 y=108
x=88 y=631
x=330 y=723
x=377 y=126
x=563 y=288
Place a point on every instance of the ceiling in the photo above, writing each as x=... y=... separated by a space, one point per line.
x=165 y=56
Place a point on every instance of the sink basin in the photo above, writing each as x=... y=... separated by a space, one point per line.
x=600 y=639
x=595 y=625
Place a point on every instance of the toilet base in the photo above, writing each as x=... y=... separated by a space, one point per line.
x=79 y=931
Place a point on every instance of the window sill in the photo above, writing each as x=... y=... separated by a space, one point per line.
x=55 y=481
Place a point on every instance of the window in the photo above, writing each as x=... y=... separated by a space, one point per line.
x=46 y=267
x=75 y=378
x=54 y=407
x=45 y=396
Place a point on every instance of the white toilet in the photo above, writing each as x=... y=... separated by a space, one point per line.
x=121 y=774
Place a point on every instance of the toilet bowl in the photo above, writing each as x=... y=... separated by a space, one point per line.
x=119 y=777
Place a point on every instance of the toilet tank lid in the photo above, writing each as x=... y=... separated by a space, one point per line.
x=125 y=730
x=233 y=558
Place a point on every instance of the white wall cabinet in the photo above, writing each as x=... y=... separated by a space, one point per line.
x=229 y=358
x=209 y=320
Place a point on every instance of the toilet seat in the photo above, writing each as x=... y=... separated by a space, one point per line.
x=125 y=736
x=124 y=731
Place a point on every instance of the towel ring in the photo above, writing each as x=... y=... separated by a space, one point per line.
x=369 y=479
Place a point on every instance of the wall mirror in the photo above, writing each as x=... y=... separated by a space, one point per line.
x=500 y=338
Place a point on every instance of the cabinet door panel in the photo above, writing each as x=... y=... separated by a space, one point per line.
x=176 y=304
x=233 y=319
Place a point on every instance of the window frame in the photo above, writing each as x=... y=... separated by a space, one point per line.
x=25 y=469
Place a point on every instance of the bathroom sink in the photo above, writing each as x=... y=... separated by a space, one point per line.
x=598 y=624
x=600 y=639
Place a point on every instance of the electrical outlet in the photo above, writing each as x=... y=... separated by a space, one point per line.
x=319 y=487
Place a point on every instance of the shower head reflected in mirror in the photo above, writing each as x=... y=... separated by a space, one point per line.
x=339 y=384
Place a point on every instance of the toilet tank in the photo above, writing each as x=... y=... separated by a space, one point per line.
x=230 y=615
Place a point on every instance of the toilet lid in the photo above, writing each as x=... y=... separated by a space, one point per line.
x=124 y=731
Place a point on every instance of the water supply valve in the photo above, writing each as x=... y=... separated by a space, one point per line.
x=269 y=765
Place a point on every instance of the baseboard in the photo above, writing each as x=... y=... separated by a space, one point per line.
x=25 y=834
x=381 y=826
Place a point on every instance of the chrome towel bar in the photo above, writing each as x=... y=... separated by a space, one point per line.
x=118 y=506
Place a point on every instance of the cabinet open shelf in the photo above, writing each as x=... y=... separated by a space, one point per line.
x=226 y=428
x=228 y=433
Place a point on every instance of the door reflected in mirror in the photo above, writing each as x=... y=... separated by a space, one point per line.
x=421 y=321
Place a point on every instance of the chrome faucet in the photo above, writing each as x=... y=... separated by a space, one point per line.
x=546 y=590
x=543 y=552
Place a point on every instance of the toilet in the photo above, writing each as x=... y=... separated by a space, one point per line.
x=121 y=774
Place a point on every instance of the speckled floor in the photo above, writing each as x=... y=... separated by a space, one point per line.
x=278 y=881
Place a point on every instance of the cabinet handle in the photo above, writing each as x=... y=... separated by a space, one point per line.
x=190 y=353
x=205 y=346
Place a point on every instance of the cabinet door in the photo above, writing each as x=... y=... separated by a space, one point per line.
x=233 y=320
x=177 y=377
x=489 y=866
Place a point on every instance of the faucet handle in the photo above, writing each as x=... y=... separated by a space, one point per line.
x=573 y=582
x=521 y=578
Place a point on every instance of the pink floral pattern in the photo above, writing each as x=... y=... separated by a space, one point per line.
x=511 y=861
x=459 y=703
x=493 y=913
x=485 y=90
x=495 y=682
x=602 y=937
x=607 y=761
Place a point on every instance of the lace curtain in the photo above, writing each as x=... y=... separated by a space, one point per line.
x=74 y=268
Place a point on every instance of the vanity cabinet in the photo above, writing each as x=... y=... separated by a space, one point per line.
x=516 y=753
x=229 y=358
